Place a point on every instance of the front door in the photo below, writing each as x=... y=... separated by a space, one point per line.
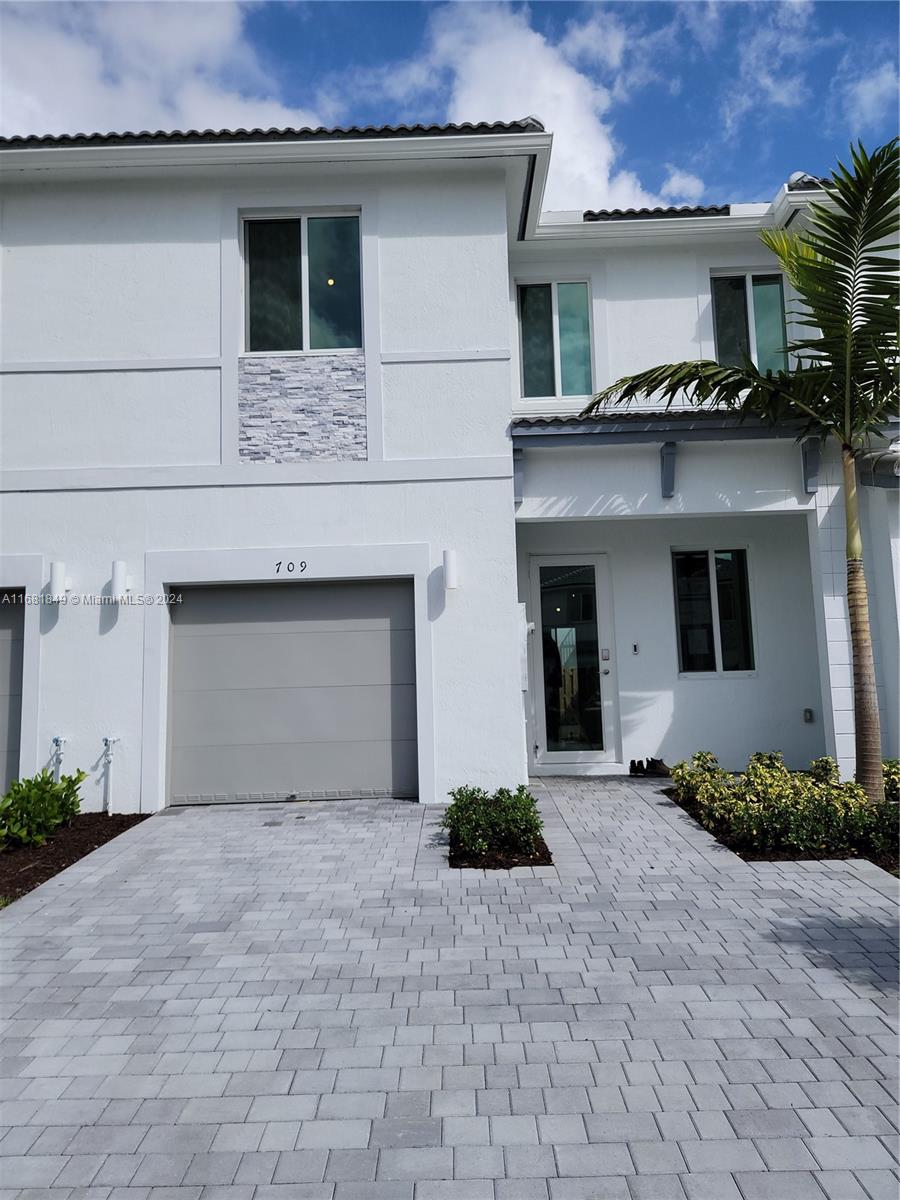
x=573 y=672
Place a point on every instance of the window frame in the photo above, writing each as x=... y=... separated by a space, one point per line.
x=302 y=215
x=747 y=274
x=553 y=284
x=711 y=552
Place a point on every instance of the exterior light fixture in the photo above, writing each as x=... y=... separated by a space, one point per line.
x=60 y=584
x=121 y=581
x=451 y=573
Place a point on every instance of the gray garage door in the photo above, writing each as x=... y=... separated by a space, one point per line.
x=296 y=689
x=12 y=614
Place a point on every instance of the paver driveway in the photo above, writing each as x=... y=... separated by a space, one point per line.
x=302 y=1001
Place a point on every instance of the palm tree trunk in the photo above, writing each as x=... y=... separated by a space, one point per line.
x=869 y=771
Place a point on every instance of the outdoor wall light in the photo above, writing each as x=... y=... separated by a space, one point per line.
x=121 y=581
x=451 y=572
x=59 y=582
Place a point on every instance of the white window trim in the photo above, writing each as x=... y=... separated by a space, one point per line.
x=557 y=364
x=710 y=552
x=748 y=274
x=302 y=215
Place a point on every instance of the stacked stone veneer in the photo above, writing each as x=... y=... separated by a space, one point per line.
x=293 y=409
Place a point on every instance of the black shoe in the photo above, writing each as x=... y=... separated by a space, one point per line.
x=639 y=768
x=632 y=768
x=657 y=768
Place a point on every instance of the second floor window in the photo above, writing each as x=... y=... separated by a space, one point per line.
x=748 y=312
x=303 y=284
x=554 y=320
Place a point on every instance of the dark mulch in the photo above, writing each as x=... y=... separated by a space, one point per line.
x=24 y=867
x=499 y=860
x=887 y=862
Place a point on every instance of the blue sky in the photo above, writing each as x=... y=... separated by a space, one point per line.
x=648 y=102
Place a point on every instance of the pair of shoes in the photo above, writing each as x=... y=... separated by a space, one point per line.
x=637 y=767
x=657 y=768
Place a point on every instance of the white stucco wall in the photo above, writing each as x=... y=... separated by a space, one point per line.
x=92 y=658
x=122 y=312
x=666 y=714
x=650 y=304
x=110 y=418
x=624 y=480
x=110 y=270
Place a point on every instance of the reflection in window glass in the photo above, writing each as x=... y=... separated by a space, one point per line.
x=768 y=322
x=574 y=338
x=335 y=317
x=730 y=318
x=273 y=283
x=536 y=316
x=693 y=604
x=733 y=596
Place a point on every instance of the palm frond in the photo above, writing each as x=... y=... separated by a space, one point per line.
x=774 y=396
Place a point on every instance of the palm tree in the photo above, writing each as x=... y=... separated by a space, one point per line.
x=841 y=381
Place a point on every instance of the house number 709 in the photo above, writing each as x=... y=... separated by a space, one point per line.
x=290 y=567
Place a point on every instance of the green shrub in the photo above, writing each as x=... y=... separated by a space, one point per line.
x=687 y=778
x=892 y=780
x=825 y=770
x=33 y=808
x=506 y=822
x=771 y=810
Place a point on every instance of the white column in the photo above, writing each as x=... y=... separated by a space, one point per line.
x=829 y=565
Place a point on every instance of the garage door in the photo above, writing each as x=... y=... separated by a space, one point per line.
x=303 y=689
x=12 y=614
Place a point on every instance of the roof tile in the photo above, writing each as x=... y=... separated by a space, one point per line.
x=306 y=134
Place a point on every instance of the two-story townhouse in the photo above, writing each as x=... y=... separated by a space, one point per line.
x=300 y=408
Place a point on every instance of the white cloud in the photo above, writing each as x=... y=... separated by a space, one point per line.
x=85 y=67
x=771 y=61
x=871 y=98
x=682 y=186
x=486 y=63
x=599 y=40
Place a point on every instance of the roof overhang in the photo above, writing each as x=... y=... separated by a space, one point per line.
x=529 y=433
x=152 y=154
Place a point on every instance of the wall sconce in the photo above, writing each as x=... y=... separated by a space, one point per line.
x=451 y=572
x=60 y=583
x=121 y=581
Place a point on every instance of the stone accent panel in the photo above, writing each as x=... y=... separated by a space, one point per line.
x=293 y=409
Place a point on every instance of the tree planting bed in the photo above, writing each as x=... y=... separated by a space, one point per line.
x=22 y=868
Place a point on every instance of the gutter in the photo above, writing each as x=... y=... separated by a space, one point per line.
x=651 y=431
x=154 y=155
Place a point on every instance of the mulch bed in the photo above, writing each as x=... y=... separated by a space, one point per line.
x=887 y=862
x=24 y=867
x=497 y=860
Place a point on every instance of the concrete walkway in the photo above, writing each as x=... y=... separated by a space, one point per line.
x=303 y=1001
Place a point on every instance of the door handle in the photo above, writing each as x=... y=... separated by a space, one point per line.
x=605 y=671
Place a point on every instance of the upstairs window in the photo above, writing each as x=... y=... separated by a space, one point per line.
x=303 y=284
x=748 y=313
x=712 y=608
x=555 y=329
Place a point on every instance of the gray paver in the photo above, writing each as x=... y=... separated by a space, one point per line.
x=339 y=1016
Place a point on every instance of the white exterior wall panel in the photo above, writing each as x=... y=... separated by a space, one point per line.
x=93 y=658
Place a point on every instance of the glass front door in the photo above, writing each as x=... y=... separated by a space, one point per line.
x=573 y=708
x=573 y=713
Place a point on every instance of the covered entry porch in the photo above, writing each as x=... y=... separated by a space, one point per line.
x=662 y=636
x=678 y=581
